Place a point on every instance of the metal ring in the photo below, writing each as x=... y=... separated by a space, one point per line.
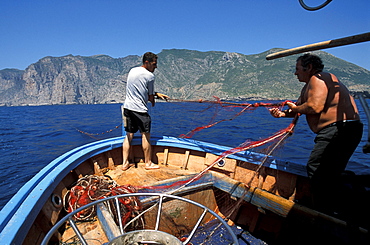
x=56 y=200
x=221 y=163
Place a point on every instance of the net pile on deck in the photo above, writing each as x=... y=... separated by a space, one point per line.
x=91 y=188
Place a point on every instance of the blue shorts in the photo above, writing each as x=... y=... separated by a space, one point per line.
x=134 y=121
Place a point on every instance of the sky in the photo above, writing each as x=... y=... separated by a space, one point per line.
x=33 y=29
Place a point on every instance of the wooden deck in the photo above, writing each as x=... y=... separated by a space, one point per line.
x=139 y=176
x=177 y=218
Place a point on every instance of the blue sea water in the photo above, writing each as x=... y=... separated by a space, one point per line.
x=32 y=136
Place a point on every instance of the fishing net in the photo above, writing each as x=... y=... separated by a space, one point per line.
x=221 y=107
x=90 y=188
x=217 y=122
x=218 y=112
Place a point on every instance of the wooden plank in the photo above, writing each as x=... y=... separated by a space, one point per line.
x=247 y=174
x=97 y=170
x=186 y=160
x=110 y=161
x=165 y=156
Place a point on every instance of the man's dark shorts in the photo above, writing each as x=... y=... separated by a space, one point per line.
x=334 y=145
x=134 y=121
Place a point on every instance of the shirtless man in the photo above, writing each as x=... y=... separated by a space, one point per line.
x=332 y=114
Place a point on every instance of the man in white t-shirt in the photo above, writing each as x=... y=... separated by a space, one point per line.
x=140 y=90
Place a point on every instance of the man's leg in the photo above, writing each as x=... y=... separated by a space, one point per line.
x=333 y=148
x=126 y=150
x=147 y=149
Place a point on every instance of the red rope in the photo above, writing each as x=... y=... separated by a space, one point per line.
x=245 y=106
x=246 y=146
x=235 y=104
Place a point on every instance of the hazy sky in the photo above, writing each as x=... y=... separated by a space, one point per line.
x=33 y=29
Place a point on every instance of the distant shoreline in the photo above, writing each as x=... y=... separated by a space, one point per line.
x=355 y=94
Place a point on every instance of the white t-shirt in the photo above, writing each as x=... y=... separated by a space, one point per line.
x=140 y=84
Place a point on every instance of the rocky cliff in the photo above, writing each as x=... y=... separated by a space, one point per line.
x=181 y=74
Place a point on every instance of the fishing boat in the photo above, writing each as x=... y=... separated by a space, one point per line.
x=202 y=193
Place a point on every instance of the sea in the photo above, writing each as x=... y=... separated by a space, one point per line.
x=32 y=136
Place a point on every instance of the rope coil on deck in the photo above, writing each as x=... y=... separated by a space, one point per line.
x=91 y=188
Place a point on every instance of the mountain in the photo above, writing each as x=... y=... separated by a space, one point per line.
x=181 y=74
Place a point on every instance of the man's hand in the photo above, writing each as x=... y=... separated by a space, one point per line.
x=162 y=96
x=275 y=112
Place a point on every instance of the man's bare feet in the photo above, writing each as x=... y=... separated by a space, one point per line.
x=151 y=166
x=127 y=166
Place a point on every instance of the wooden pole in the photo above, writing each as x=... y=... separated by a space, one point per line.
x=285 y=208
x=321 y=45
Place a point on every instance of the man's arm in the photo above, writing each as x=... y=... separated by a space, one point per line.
x=151 y=99
x=316 y=97
x=276 y=112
